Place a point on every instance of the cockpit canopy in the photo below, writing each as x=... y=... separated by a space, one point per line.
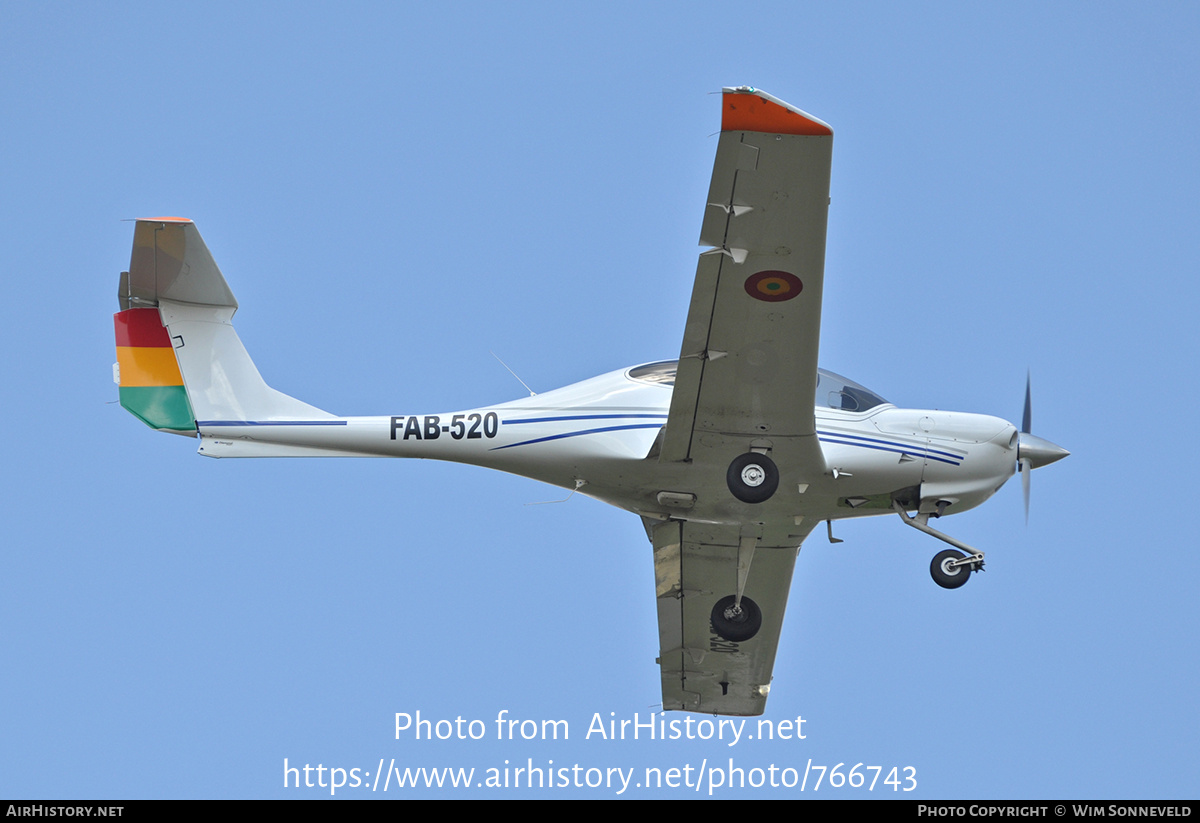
x=838 y=392
x=833 y=390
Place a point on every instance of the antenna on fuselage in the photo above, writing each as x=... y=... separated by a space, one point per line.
x=532 y=393
x=579 y=484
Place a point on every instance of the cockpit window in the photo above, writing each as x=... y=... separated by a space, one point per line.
x=837 y=392
x=833 y=390
x=662 y=372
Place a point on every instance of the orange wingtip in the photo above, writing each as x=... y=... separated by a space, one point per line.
x=748 y=109
x=165 y=219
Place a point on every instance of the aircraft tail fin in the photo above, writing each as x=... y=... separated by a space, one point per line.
x=180 y=364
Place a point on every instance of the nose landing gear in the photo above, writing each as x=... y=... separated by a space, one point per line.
x=949 y=569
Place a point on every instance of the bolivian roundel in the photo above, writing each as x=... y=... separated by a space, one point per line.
x=773 y=286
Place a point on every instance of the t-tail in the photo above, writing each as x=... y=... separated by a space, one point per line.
x=180 y=365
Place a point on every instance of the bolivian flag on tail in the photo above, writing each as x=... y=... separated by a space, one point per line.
x=151 y=385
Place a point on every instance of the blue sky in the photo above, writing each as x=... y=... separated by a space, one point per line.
x=393 y=191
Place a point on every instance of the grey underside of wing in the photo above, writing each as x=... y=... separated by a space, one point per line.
x=748 y=366
x=694 y=565
x=746 y=381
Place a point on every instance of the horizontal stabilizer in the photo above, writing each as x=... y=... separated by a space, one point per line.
x=179 y=358
x=171 y=262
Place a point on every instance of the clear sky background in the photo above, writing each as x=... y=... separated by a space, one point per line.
x=394 y=190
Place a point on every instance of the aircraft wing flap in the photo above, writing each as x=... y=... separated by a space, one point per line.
x=695 y=566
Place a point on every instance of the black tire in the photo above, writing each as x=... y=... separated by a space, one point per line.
x=949 y=578
x=736 y=628
x=752 y=478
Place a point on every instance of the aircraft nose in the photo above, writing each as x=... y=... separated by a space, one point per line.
x=1038 y=451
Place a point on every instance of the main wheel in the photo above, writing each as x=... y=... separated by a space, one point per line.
x=734 y=624
x=945 y=575
x=752 y=478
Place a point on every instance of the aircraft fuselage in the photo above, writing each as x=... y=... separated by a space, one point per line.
x=591 y=435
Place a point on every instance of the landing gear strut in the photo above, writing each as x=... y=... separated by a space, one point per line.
x=949 y=569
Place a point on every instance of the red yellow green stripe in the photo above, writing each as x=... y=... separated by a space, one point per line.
x=151 y=385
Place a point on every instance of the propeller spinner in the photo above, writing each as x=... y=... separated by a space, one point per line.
x=1033 y=452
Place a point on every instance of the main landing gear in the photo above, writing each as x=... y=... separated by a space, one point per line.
x=736 y=622
x=737 y=618
x=950 y=568
x=752 y=477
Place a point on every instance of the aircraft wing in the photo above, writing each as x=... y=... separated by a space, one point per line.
x=702 y=671
x=746 y=382
x=749 y=354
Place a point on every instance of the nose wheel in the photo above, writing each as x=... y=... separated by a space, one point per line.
x=947 y=570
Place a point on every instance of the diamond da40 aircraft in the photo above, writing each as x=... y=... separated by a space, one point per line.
x=731 y=455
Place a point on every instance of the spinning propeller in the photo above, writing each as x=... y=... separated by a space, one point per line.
x=1033 y=452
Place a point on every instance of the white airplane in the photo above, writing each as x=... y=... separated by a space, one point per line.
x=723 y=453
